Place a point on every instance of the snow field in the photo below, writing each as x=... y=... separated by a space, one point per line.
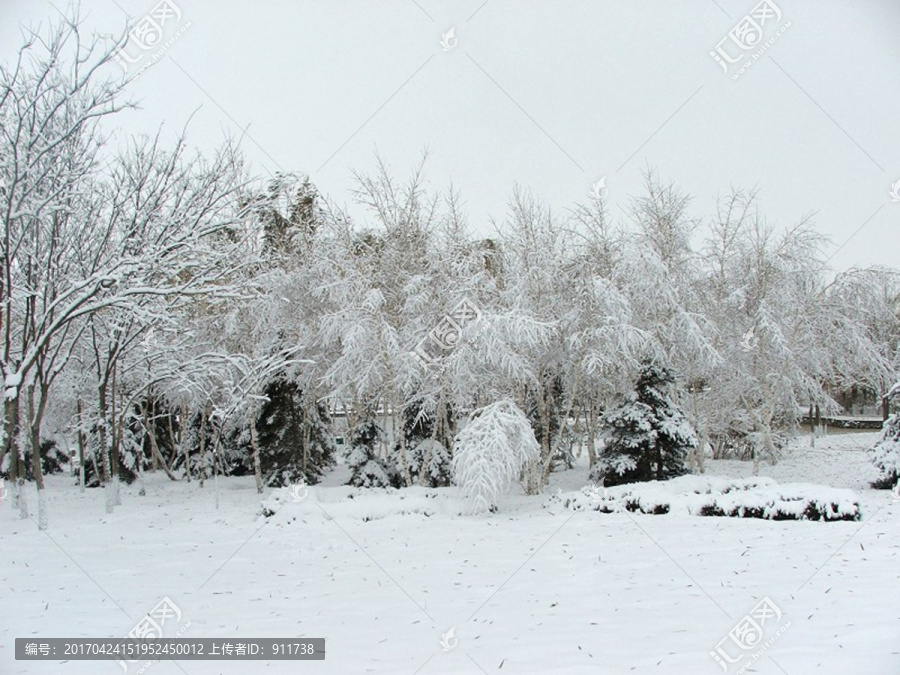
x=382 y=575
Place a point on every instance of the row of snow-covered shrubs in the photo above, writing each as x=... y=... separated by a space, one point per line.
x=713 y=496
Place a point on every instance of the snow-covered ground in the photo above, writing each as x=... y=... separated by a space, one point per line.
x=534 y=588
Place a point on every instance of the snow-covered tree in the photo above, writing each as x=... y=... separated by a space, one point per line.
x=80 y=239
x=367 y=469
x=294 y=436
x=648 y=436
x=603 y=342
x=493 y=449
x=762 y=289
x=886 y=454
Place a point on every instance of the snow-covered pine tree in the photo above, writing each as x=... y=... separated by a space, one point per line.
x=433 y=463
x=368 y=469
x=886 y=454
x=496 y=446
x=429 y=459
x=295 y=442
x=648 y=437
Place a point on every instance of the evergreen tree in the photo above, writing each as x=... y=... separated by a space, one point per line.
x=295 y=441
x=648 y=437
x=428 y=455
x=886 y=454
x=368 y=469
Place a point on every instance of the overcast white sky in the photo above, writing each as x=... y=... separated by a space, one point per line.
x=550 y=95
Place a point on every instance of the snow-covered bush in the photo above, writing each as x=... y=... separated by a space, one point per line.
x=432 y=463
x=495 y=447
x=648 y=437
x=761 y=498
x=886 y=454
x=367 y=469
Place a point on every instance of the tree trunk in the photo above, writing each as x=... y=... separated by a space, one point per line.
x=34 y=434
x=533 y=477
x=16 y=464
x=204 y=416
x=350 y=417
x=158 y=459
x=102 y=440
x=254 y=445
x=384 y=423
x=9 y=432
x=301 y=424
x=216 y=467
x=149 y=415
x=818 y=418
x=769 y=445
x=78 y=410
x=404 y=460
x=436 y=432
x=307 y=431
x=592 y=434
x=182 y=438
x=755 y=450
x=544 y=412
x=701 y=451
x=812 y=427
x=172 y=438
x=115 y=436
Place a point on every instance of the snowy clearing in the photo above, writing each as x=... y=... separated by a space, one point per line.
x=382 y=575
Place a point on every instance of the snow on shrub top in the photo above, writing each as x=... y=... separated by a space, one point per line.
x=717 y=496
